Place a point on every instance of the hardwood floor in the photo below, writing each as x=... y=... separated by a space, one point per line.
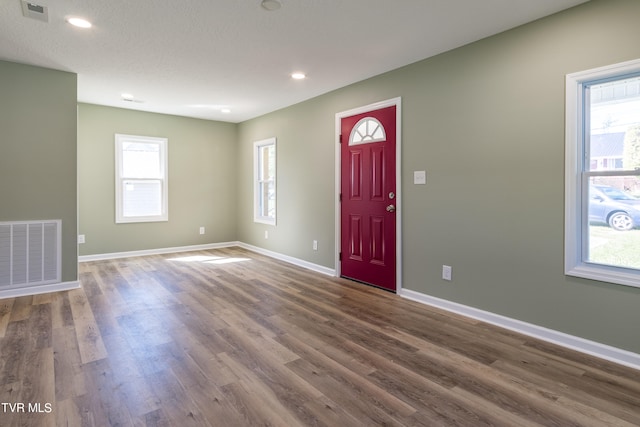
x=231 y=338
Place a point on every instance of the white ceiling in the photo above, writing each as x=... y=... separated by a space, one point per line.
x=194 y=57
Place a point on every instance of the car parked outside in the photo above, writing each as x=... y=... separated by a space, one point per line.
x=612 y=206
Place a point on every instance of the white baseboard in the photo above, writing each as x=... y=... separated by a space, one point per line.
x=40 y=289
x=291 y=260
x=603 y=351
x=160 y=251
x=272 y=254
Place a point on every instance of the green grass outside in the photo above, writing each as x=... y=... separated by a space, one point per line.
x=611 y=247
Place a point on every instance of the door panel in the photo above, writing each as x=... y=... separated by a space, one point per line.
x=355 y=238
x=377 y=240
x=377 y=173
x=368 y=217
x=355 y=182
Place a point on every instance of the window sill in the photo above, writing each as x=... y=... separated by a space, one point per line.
x=267 y=221
x=603 y=273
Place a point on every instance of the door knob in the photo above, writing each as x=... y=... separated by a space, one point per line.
x=391 y=208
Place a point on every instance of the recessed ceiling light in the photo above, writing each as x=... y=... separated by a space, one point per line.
x=79 y=22
x=127 y=97
x=225 y=110
x=298 y=76
x=271 y=5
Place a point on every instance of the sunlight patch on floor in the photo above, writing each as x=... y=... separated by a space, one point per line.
x=227 y=260
x=209 y=259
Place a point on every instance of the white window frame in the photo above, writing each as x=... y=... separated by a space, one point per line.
x=576 y=189
x=120 y=139
x=258 y=183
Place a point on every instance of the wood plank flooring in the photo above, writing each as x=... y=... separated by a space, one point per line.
x=232 y=338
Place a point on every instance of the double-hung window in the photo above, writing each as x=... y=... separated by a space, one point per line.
x=141 y=179
x=602 y=182
x=264 y=162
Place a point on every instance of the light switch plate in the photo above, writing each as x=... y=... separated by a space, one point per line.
x=420 y=177
x=446 y=272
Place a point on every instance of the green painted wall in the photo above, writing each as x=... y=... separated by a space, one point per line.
x=486 y=121
x=304 y=182
x=201 y=180
x=38 y=151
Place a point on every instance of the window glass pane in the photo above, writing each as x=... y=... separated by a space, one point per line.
x=141 y=160
x=142 y=198
x=270 y=205
x=378 y=134
x=363 y=131
x=614 y=218
x=615 y=125
x=271 y=164
x=267 y=199
x=614 y=189
x=267 y=162
x=264 y=196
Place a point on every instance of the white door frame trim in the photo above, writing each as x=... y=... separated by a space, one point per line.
x=397 y=102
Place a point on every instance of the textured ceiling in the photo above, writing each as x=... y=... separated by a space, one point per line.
x=194 y=57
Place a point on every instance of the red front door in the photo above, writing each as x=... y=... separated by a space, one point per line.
x=368 y=195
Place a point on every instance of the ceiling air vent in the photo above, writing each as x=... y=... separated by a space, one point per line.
x=35 y=11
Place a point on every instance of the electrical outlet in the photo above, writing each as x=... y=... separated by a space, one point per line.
x=266 y=234
x=315 y=245
x=446 y=272
x=201 y=230
x=81 y=238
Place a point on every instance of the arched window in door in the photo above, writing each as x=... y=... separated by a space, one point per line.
x=366 y=131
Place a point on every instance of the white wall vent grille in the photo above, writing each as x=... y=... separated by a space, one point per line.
x=35 y=11
x=29 y=253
